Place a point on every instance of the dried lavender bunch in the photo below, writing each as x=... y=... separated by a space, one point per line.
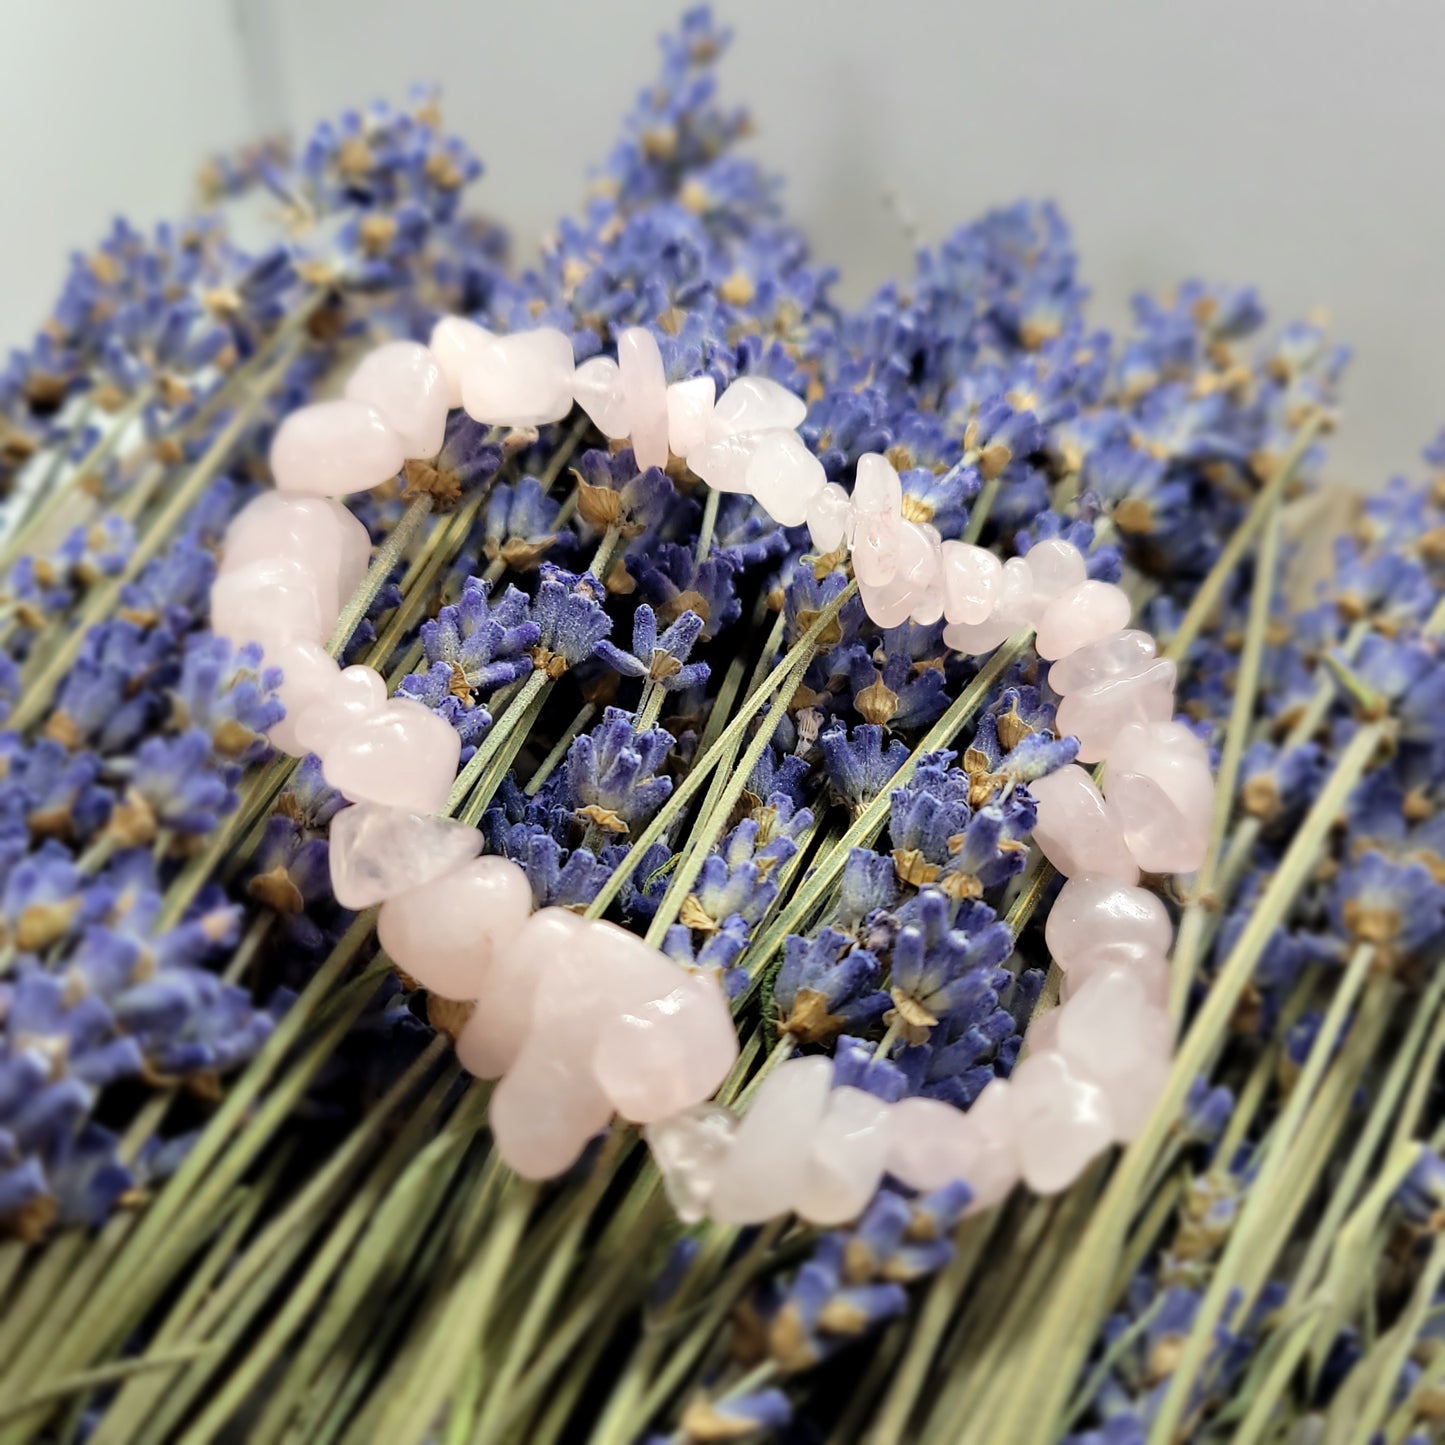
x=853 y=860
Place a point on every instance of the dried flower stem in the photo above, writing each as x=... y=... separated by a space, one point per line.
x=383 y=563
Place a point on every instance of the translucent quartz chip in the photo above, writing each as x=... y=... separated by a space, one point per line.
x=318 y=532
x=689 y=1149
x=1120 y=654
x=500 y=1023
x=597 y=389
x=520 y=380
x=971 y=580
x=1109 y=1029
x=404 y=382
x=645 y=384
x=402 y=755
x=378 y=852
x=1095 y=714
x=915 y=581
x=878 y=520
x=1091 y=912
x=454 y=342
x=273 y=603
x=308 y=671
x=1075 y=831
x=1132 y=1097
x=784 y=476
x=1042 y=1033
x=723 y=464
x=1084 y=614
x=330 y=448
x=1056 y=567
x=549 y=1103
x=764 y=1171
x=1063 y=1121
x=932 y=1143
x=689 y=410
x=849 y=1152
x=445 y=933
x=354 y=692
x=972 y=639
x=1151 y=968
x=1161 y=793
x=755 y=404
x=830 y=519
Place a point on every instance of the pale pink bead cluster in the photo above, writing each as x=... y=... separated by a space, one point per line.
x=579 y=1019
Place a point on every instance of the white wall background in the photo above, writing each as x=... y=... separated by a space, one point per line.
x=1292 y=143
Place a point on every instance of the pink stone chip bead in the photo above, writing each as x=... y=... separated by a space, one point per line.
x=765 y=1169
x=645 y=383
x=377 y=853
x=723 y=464
x=784 y=476
x=933 y=1143
x=878 y=525
x=597 y=389
x=1075 y=831
x=1056 y=567
x=1084 y=614
x=1095 y=714
x=846 y=1161
x=689 y=1149
x=318 y=532
x=830 y=519
x=1131 y=1097
x=915 y=580
x=331 y=448
x=1092 y=912
x=1120 y=654
x=274 y=603
x=520 y=380
x=307 y=672
x=1152 y=970
x=971 y=580
x=402 y=755
x=689 y=410
x=404 y=382
x=501 y=1022
x=1063 y=1121
x=1042 y=1034
x=1110 y=1030
x=445 y=933
x=355 y=692
x=755 y=404
x=973 y=639
x=1161 y=793
x=455 y=341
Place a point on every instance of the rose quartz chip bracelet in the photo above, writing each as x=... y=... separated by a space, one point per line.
x=579 y=1019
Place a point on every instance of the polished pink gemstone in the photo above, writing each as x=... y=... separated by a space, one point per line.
x=784 y=476
x=597 y=389
x=765 y=1170
x=830 y=519
x=973 y=639
x=402 y=755
x=318 y=532
x=689 y=1149
x=1075 y=831
x=501 y=1022
x=755 y=404
x=1120 y=654
x=1096 y=713
x=273 y=603
x=445 y=933
x=521 y=380
x=1056 y=566
x=377 y=853
x=1043 y=1032
x=404 y=382
x=1161 y=793
x=915 y=581
x=645 y=384
x=689 y=410
x=330 y=448
x=455 y=342
x=1109 y=1029
x=1091 y=912
x=307 y=672
x=1063 y=1121
x=1132 y=1097
x=849 y=1150
x=723 y=464
x=1084 y=614
x=355 y=692
x=972 y=577
x=1152 y=969
x=932 y=1143
x=878 y=520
